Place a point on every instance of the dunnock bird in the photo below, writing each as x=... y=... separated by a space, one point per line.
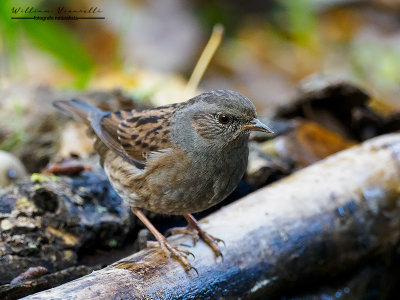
x=175 y=159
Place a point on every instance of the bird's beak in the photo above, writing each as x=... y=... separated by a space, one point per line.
x=257 y=125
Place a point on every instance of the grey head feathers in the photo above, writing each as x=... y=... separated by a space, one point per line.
x=227 y=100
x=197 y=125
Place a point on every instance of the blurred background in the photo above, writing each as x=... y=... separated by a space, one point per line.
x=149 y=48
x=324 y=74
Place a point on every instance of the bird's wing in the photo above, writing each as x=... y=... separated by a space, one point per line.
x=132 y=134
x=142 y=132
x=105 y=125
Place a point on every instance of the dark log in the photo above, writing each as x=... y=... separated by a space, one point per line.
x=48 y=220
x=377 y=280
x=326 y=219
x=340 y=107
x=27 y=287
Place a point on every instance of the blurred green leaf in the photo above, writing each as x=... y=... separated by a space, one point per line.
x=8 y=31
x=298 y=18
x=50 y=36
x=63 y=44
x=214 y=12
x=377 y=64
x=15 y=122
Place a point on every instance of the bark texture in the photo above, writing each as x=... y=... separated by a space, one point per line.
x=327 y=219
x=47 y=221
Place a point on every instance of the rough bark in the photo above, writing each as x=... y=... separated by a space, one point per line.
x=329 y=218
x=26 y=287
x=47 y=221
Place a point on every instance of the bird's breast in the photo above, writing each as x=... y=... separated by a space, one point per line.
x=194 y=182
x=178 y=182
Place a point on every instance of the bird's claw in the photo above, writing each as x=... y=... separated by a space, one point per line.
x=186 y=231
x=177 y=253
x=196 y=233
x=213 y=243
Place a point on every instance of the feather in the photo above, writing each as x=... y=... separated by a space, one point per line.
x=103 y=123
x=146 y=131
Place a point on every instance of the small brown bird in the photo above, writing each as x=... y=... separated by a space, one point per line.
x=176 y=159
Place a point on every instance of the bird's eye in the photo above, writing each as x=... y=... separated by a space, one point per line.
x=224 y=119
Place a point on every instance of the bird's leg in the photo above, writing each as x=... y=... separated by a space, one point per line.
x=162 y=243
x=194 y=230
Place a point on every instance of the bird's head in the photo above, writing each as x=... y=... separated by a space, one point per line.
x=218 y=118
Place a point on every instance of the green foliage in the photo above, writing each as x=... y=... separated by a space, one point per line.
x=376 y=63
x=213 y=12
x=297 y=18
x=7 y=30
x=37 y=177
x=300 y=17
x=50 y=36
x=62 y=44
x=113 y=243
x=15 y=122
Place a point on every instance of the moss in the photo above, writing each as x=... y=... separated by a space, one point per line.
x=36 y=177
x=113 y=243
x=24 y=204
x=32 y=245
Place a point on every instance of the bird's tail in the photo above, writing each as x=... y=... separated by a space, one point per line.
x=79 y=110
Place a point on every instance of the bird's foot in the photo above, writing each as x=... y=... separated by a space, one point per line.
x=162 y=243
x=170 y=251
x=188 y=230
x=196 y=232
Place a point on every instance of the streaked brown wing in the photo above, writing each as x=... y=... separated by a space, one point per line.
x=106 y=126
x=141 y=132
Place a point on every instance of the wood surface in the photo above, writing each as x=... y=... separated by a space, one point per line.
x=326 y=219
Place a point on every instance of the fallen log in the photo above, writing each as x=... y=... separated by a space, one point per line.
x=329 y=218
x=27 y=286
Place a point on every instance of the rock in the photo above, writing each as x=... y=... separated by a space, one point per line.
x=11 y=169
